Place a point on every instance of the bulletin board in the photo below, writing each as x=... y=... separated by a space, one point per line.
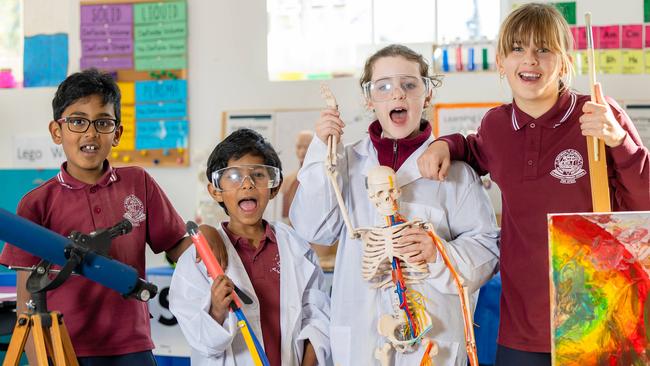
x=143 y=43
x=461 y=118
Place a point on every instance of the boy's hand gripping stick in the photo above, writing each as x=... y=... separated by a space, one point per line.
x=330 y=162
x=214 y=269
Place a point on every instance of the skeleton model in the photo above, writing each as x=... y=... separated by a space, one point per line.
x=383 y=266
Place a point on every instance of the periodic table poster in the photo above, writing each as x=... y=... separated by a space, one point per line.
x=144 y=45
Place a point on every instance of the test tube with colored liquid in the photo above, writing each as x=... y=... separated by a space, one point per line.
x=471 y=66
x=445 y=59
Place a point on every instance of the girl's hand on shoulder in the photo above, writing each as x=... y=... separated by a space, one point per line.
x=221 y=297
x=599 y=121
x=434 y=162
x=329 y=124
x=417 y=246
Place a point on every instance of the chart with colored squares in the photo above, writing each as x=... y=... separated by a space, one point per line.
x=600 y=288
x=144 y=45
x=619 y=48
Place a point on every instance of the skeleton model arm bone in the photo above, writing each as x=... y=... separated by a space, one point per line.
x=331 y=161
x=331 y=211
x=315 y=212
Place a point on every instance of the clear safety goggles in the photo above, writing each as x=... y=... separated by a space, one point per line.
x=382 y=90
x=232 y=177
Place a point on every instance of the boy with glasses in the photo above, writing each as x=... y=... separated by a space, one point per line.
x=267 y=261
x=86 y=195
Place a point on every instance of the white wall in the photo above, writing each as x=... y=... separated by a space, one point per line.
x=227 y=71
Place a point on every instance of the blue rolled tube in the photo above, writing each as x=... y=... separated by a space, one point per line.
x=50 y=246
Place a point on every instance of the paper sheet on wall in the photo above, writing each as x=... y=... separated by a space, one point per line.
x=632 y=61
x=36 y=151
x=632 y=36
x=609 y=61
x=608 y=37
x=45 y=59
x=261 y=123
x=160 y=90
x=161 y=135
x=460 y=120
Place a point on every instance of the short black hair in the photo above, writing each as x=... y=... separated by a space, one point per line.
x=242 y=142
x=84 y=84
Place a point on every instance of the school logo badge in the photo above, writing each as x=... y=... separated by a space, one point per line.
x=134 y=210
x=568 y=166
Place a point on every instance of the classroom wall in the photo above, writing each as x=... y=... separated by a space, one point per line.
x=227 y=71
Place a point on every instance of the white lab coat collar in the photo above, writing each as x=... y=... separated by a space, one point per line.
x=406 y=174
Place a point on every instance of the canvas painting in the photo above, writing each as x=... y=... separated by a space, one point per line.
x=600 y=286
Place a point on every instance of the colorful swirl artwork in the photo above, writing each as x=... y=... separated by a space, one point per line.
x=600 y=286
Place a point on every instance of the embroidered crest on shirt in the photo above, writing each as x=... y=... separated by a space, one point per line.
x=134 y=210
x=568 y=166
x=276 y=267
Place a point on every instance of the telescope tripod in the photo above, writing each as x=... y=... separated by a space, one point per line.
x=49 y=333
x=50 y=339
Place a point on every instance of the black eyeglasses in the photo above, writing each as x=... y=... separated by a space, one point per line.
x=81 y=125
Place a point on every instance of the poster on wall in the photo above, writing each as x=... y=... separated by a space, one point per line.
x=36 y=151
x=463 y=118
x=600 y=288
x=144 y=44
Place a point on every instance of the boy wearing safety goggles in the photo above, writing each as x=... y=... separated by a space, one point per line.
x=267 y=261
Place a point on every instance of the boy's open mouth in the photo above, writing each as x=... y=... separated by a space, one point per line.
x=529 y=76
x=248 y=204
x=399 y=115
x=89 y=148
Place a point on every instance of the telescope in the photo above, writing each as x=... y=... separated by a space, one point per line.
x=85 y=254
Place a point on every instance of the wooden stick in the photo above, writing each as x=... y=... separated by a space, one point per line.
x=596 y=147
x=591 y=63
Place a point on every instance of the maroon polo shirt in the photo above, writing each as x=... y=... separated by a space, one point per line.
x=100 y=321
x=262 y=265
x=393 y=153
x=541 y=167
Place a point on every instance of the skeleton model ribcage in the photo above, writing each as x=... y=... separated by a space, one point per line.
x=379 y=244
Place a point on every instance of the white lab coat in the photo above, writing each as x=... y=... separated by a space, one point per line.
x=461 y=214
x=304 y=305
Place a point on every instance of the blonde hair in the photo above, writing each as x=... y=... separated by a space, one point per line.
x=546 y=26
